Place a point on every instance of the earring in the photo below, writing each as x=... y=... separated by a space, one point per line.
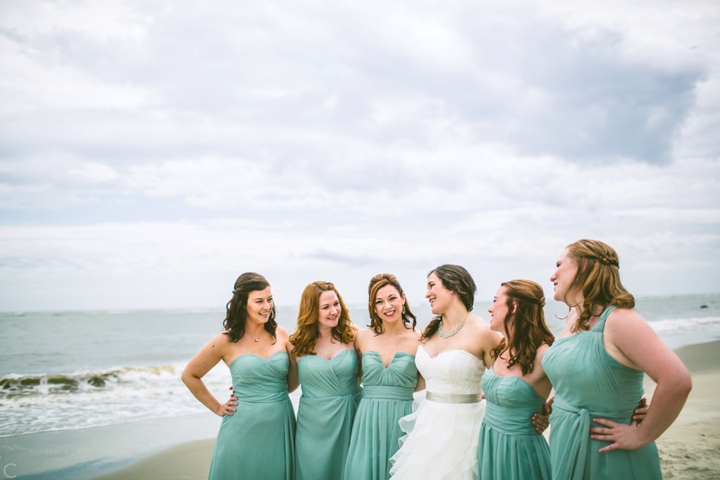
x=403 y=309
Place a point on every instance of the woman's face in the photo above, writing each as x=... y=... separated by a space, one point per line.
x=498 y=311
x=440 y=298
x=389 y=303
x=563 y=277
x=259 y=305
x=330 y=309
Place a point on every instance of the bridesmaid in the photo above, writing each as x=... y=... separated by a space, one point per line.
x=256 y=439
x=328 y=372
x=596 y=366
x=387 y=351
x=516 y=387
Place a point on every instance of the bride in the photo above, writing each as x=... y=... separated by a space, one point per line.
x=442 y=434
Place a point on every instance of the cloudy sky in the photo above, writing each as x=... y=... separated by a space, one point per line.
x=151 y=151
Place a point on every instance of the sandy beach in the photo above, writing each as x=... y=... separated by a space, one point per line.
x=690 y=449
x=181 y=447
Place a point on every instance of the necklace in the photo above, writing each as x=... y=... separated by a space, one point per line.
x=448 y=335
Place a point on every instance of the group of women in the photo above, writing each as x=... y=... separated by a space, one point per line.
x=373 y=432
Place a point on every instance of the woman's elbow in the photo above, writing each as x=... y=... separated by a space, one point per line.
x=684 y=384
x=187 y=377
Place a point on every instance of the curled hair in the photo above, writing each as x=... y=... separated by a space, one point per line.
x=304 y=338
x=597 y=279
x=459 y=281
x=529 y=330
x=376 y=283
x=236 y=315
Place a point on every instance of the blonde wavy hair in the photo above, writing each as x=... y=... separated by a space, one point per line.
x=597 y=279
x=304 y=338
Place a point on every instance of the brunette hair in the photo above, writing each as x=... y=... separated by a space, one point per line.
x=304 y=338
x=236 y=314
x=525 y=302
x=376 y=283
x=597 y=279
x=458 y=280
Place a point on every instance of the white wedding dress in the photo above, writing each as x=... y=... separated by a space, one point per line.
x=442 y=433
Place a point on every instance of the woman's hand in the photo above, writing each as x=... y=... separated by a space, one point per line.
x=227 y=408
x=541 y=420
x=623 y=437
x=640 y=412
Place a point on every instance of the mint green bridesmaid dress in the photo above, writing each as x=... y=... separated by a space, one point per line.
x=387 y=397
x=510 y=448
x=257 y=441
x=589 y=384
x=330 y=394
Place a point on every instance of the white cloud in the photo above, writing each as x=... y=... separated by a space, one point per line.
x=164 y=142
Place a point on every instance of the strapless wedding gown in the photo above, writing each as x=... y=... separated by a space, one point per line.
x=442 y=433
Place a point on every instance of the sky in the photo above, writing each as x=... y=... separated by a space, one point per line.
x=152 y=151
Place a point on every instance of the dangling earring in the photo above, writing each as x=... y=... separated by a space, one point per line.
x=403 y=309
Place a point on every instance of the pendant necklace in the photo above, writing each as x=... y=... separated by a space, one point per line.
x=448 y=335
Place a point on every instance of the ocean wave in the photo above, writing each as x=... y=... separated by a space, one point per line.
x=14 y=385
x=686 y=325
x=38 y=403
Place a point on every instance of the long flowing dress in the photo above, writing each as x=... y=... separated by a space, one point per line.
x=387 y=397
x=442 y=434
x=589 y=383
x=257 y=441
x=330 y=394
x=510 y=448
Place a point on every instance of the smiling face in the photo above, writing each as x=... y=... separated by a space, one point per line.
x=259 y=305
x=329 y=309
x=389 y=303
x=440 y=298
x=563 y=278
x=498 y=311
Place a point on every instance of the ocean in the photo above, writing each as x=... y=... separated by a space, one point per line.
x=71 y=370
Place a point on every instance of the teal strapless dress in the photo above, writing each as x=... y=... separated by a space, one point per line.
x=509 y=447
x=589 y=383
x=387 y=397
x=330 y=394
x=257 y=441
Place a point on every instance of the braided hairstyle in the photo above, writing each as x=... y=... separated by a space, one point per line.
x=236 y=315
x=458 y=280
x=597 y=279
x=525 y=302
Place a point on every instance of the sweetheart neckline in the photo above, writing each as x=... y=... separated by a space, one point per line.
x=451 y=350
x=256 y=355
x=391 y=361
x=327 y=359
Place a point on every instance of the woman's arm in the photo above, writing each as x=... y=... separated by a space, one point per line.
x=489 y=340
x=207 y=358
x=420 y=383
x=292 y=377
x=631 y=341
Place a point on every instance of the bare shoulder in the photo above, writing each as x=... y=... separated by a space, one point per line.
x=475 y=321
x=220 y=340
x=414 y=334
x=281 y=334
x=361 y=337
x=482 y=329
x=626 y=321
x=540 y=353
